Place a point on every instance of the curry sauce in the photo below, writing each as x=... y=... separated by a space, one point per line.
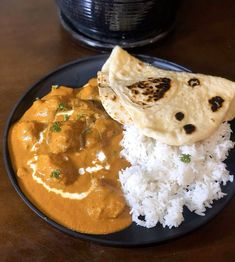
x=66 y=154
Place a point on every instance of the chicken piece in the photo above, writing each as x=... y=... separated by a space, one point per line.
x=54 y=169
x=27 y=133
x=89 y=91
x=64 y=136
x=103 y=126
x=59 y=91
x=108 y=202
x=43 y=110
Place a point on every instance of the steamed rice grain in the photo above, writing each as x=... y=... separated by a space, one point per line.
x=158 y=184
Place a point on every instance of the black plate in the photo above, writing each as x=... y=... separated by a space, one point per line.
x=76 y=74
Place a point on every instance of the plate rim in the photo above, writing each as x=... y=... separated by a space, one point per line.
x=12 y=176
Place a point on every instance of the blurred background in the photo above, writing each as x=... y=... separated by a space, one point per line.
x=128 y=23
x=31 y=34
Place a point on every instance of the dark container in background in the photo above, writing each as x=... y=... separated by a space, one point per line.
x=122 y=22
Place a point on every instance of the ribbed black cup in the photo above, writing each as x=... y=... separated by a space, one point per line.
x=111 y=20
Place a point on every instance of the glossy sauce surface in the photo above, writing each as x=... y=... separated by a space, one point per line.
x=66 y=154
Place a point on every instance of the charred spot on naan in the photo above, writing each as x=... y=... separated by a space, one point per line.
x=216 y=103
x=179 y=116
x=189 y=129
x=150 y=90
x=114 y=97
x=193 y=82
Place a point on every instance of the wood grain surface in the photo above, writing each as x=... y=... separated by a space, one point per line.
x=32 y=43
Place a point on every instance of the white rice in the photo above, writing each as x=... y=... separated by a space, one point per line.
x=158 y=184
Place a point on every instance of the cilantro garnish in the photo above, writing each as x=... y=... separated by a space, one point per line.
x=185 y=158
x=56 y=127
x=66 y=117
x=61 y=107
x=55 y=173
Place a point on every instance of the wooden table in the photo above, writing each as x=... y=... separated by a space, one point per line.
x=32 y=43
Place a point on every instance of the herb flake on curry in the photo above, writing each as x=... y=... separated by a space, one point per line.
x=57 y=158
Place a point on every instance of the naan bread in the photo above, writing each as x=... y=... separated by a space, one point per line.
x=231 y=112
x=175 y=108
x=111 y=102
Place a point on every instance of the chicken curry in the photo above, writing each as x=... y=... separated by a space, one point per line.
x=66 y=154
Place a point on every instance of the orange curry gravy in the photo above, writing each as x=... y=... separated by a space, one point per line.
x=65 y=152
